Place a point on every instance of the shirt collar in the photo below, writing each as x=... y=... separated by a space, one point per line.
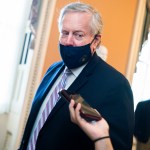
x=78 y=70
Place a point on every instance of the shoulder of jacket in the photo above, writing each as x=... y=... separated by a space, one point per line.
x=54 y=66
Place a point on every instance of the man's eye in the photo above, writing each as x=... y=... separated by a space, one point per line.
x=78 y=35
x=64 y=34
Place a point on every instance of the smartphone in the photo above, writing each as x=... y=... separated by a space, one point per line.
x=86 y=111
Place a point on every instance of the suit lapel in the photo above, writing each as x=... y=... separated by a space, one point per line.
x=84 y=76
x=46 y=88
x=39 y=98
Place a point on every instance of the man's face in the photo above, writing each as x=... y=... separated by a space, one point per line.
x=76 y=30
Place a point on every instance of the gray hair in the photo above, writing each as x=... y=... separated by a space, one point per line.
x=96 y=21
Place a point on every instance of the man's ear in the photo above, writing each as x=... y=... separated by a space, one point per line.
x=98 y=37
x=97 y=40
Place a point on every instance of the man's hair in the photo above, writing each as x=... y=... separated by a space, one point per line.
x=96 y=20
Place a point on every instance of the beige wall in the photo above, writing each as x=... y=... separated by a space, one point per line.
x=3 y=122
x=118 y=17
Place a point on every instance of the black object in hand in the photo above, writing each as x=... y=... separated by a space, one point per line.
x=86 y=111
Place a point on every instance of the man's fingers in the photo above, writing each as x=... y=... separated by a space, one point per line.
x=79 y=119
x=72 y=111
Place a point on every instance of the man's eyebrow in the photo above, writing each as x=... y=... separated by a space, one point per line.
x=78 y=31
x=64 y=30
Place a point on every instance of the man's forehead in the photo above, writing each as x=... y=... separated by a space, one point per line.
x=76 y=21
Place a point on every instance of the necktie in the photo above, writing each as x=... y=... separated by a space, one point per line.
x=54 y=97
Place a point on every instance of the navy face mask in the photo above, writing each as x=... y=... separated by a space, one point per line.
x=74 y=57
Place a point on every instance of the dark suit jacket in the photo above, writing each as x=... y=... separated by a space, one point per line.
x=103 y=88
x=142 y=121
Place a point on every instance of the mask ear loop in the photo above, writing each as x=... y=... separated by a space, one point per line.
x=94 y=50
x=95 y=36
x=93 y=39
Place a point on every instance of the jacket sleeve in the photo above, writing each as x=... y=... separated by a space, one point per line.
x=140 y=123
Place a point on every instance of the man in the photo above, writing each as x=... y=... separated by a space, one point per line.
x=142 y=125
x=104 y=88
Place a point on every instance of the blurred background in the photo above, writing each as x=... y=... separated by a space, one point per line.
x=29 y=45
